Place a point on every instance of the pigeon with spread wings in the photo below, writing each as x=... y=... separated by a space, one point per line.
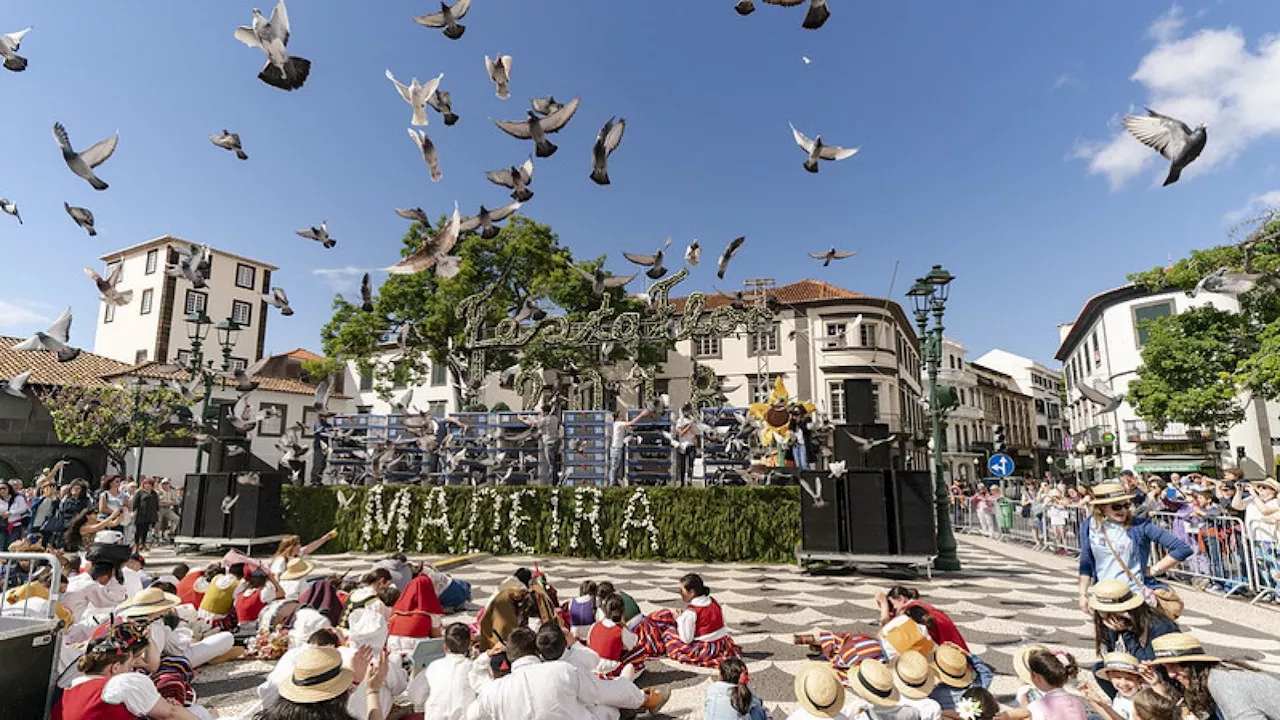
x=1100 y=394
x=486 y=218
x=107 y=286
x=601 y=282
x=428 y=151
x=653 y=262
x=442 y=102
x=693 y=253
x=729 y=252
x=416 y=214
x=417 y=94
x=272 y=36
x=278 y=299
x=229 y=141
x=83 y=163
x=56 y=339
x=447 y=18
x=9 y=44
x=15 y=385
x=832 y=254
x=516 y=178
x=816 y=151
x=434 y=252
x=816 y=17
x=500 y=73
x=536 y=128
x=607 y=141
x=1170 y=137
x=319 y=234
x=545 y=105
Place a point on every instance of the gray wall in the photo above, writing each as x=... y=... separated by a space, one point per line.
x=29 y=444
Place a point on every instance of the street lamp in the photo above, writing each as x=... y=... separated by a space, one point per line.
x=198 y=326
x=228 y=333
x=929 y=295
x=143 y=417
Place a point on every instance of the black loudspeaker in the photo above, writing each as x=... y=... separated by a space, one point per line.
x=192 y=520
x=914 y=510
x=857 y=402
x=823 y=511
x=258 y=511
x=851 y=451
x=214 y=489
x=869 y=513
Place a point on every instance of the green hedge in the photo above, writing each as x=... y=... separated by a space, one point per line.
x=711 y=525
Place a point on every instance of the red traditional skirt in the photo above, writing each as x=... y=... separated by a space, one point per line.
x=173 y=680
x=660 y=638
x=845 y=650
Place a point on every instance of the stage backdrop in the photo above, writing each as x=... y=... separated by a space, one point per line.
x=711 y=525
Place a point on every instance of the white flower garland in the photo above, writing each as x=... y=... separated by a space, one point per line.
x=402 y=505
x=435 y=513
x=376 y=517
x=514 y=522
x=554 y=541
x=478 y=495
x=629 y=520
x=580 y=495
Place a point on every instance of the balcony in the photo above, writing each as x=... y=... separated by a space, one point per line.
x=1140 y=431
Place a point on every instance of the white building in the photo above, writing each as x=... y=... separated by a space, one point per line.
x=434 y=393
x=152 y=326
x=966 y=427
x=1105 y=343
x=1045 y=387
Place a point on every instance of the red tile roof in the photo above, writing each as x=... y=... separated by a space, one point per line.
x=163 y=371
x=302 y=354
x=796 y=293
x=86 y=370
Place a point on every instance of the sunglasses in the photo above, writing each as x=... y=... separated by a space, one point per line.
x=1119 y=506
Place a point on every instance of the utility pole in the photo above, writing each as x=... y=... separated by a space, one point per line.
x=757 y=293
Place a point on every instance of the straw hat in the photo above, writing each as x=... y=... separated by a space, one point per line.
x=1179 y=648
x=873 y=681
x=297 y=569
x=1109 y=492
x=148 y=602
x=951 y=664
x=818 y=690
x=318 y=675
x=1020 y=667
x=1118 y=662
x=913 y=676
x=1268 y=483
x=1113 y=596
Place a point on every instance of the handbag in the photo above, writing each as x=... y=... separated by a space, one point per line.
x=1166 y=599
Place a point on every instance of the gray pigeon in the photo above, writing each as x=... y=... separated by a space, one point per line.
x=727 y=255
x=516 y=178
x=601 y=282
x=107 y=286
x=416 y=215
x=607 y=140
x=486 y=218
x=229 y=141
x=500 y=73
x=417 y=94
x=10 y=207
x=817 y=151
x=319 y=234
x=653 y=262
x=693 y=253
x=272 y=36
x=1179 y=144
x=536 y=128
x=815 y=18
x=278 y=299
x=434 y=251
x=83 y=218
x=83 y=163
x=16 y=384
x=529 y=310
x=545 y=106
x=56 y=340
x=366 y=293
x=1100 y=394
x=442 y=102
x=447 y=18
x=194 y=264
x=428 y=150
x=9 y=50
x=1228 y=282
x=745 y=7
x=832 y=254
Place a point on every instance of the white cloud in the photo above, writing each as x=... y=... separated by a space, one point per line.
x=1210 y=77
x=1256 y=205
x=345 y=280
x=21 y=314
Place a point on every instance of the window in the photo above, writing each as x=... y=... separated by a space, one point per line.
x=836 y=333
x=111 y=268
x=439 y=374
x=1146 y=314
x=835 y=399
x=241 y=312
x=236 y=363
x=366 y=380
x=183 y=359
x=867 y=334
x=706 y=346
x=144 y=307
x=153 y=259
x=246 y=275
x=364 y=409
x=437 y=407
x=964 y=433
x=764 y=342
x=139 y=357
x=196 y=302
x=109 y=314
x=1042 y=432
x=273 y=426
x=1040 y=406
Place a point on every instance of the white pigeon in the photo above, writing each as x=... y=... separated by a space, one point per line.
x=817 y=151
x=83 y=163
x=107 y=287
x=55 y=339
x=500 y=73
x=9 y=44
x=272 y=36
x=417 y=95
x=693 y=253
x=805 y=59
x=428 y=151
x=15 y=385
x=10 y=207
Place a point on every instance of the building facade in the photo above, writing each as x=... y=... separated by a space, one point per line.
x=964 y=458
x=1005 y=406
x=152 y=328
x=1044 y=385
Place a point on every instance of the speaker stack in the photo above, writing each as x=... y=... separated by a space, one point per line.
x=257 y=510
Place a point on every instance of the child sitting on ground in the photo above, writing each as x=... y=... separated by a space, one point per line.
x=582 y=610
x=609 y=638
x=443 y=690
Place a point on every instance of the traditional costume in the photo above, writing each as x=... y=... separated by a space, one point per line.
x=697 y=637
x=582 y=615
x=611 y=642
x=218 y=606
x=414 y=616
x=846 y=650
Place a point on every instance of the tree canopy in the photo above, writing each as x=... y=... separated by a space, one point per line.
x=111 y=417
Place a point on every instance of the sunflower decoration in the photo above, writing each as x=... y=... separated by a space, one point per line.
x=775 y=417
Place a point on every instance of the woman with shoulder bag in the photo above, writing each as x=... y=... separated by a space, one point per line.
x=1115 y=545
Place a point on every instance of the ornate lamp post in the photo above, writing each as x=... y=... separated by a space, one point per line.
x=198 y=326
x=228 y=333
x=929 y=295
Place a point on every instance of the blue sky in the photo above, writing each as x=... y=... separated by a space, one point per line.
x=988 y=135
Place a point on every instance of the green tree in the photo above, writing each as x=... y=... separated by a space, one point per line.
x=525 y=258
x=112 y=417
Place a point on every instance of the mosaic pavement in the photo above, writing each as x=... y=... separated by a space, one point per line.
x=1000 y=602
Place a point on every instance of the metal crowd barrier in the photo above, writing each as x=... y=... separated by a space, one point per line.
x=1222 y=555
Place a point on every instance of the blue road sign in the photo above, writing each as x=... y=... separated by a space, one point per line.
x=1000 y=465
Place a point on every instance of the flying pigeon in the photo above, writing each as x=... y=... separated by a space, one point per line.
x=434 y=250
x=832 y=254
x=107 y=287
x=545 y=105
x=366 y=293
x=516 y=178
x=447 y=18
x=82 y=216
x=9 y=50
x=244 y=379
x=500 y=73
x=10 y=207
x=529 y=310
x=428 y=150
x=83 y=163
x=319 y=234
x=1099 y=394
x=417 y=94
x=806 y=60
x=1226 y=282
x=486 y=219
x=1169 y=137
x=864 y=444
x=401 y=405
x=15 y=385
x=55 y=339
x=278 y=299
x=323 y=389
x=693 y=253
x=815 y=18
x=229 y=141
x=745 y=7
x=607 y=141
x=442 y=102
x=653 y=262
x=817 y=151
x=601 y=282
x=727 y=255
x=416 y=215
x=282 y=70
x=193 y=264
x=536 y=128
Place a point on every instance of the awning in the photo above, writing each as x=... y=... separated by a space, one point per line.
x=1158 y=466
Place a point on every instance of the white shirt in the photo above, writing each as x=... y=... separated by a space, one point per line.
x=1262 y=528
x=687 y=623
x=15 y=509
x=83 y=593
x=278 y=565
x=929 y=709
x=534 y=689
x=133 y=690
x=443 y=690
x=1123 y=707
x=620 y=430
x=802 y=714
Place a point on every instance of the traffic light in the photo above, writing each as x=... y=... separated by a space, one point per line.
x=998 y=438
